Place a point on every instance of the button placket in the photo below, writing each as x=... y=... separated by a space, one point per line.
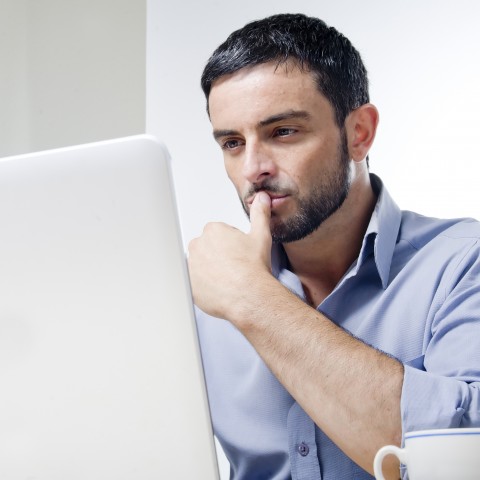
x=302 y=447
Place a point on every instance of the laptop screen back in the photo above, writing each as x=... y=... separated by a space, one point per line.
x=100 y=371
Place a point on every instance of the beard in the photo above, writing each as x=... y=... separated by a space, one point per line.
x=324 y=199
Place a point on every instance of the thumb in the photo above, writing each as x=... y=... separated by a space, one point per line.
x=260 y=214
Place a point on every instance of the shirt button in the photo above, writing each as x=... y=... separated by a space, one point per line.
x=303 y=449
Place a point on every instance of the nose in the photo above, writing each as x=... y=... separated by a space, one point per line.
x=258 y=163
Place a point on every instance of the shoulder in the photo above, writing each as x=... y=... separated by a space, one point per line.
x=437 y=255
x=419 y=230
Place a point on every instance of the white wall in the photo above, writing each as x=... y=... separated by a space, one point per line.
x=423 y=60
x=72 y=72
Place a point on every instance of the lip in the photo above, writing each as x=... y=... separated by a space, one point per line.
x=275 y=199
x=278 y=200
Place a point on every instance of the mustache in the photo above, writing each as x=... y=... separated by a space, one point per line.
x=270 y=187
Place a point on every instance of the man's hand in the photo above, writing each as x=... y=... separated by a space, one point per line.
x=225 y=263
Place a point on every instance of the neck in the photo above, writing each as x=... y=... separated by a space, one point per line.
x=321 y=259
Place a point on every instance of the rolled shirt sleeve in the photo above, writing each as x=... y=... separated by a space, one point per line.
x=445 y=392
x=432 y=401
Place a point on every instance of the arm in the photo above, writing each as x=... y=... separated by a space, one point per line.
x=315 y=360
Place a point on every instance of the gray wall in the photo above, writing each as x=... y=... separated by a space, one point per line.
x=73 y=71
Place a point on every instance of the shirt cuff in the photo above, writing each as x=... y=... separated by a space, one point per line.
x=432 y=401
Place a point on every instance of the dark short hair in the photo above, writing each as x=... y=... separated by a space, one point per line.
x=336 y=65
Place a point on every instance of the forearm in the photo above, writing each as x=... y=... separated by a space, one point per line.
x=350 y=390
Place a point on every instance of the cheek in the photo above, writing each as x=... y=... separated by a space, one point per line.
x=303 y=171
x=317 y=161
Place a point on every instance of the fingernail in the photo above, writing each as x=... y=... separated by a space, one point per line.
x=264 y=198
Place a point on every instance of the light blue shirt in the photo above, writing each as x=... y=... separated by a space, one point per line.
x=414 y=292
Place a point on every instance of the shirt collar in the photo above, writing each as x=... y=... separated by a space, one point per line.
x=380 y=237
x=383 y=228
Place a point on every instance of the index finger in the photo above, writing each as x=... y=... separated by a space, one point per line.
x=260 y=214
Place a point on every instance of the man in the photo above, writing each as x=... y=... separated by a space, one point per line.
x=338 y=322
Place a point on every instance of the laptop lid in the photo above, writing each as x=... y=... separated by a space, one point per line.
x=100 y=370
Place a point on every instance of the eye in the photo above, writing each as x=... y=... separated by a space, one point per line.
x=284 y=132
x=231 y=144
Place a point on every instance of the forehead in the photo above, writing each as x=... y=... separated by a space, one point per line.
x=255 y=93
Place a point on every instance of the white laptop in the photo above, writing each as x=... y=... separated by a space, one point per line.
x=100 y=371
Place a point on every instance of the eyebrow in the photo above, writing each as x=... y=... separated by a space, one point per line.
x=279 y=117
x=224 y=133
x=288 y=115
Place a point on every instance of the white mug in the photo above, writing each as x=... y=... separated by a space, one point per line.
x=446 y=454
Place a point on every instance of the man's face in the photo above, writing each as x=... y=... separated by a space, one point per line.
x=278 y=134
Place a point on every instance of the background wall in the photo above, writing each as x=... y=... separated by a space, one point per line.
x=71 y=72
x=77 y=71
x=423 y=61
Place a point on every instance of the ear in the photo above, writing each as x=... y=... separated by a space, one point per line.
x=361 y=126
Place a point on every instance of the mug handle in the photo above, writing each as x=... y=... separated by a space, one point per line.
x=381 y=454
